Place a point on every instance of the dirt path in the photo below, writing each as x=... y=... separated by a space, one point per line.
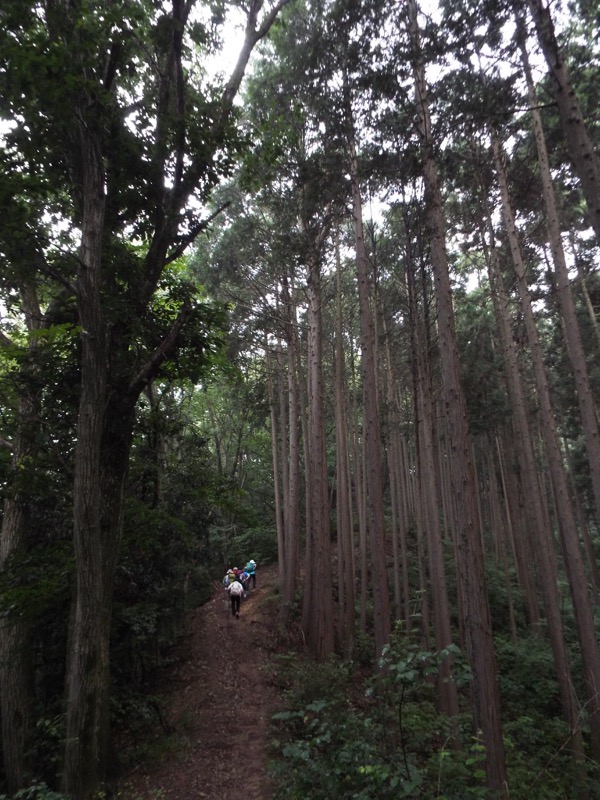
x=220 y=705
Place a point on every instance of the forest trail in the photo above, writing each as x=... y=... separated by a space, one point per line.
x=220 y=701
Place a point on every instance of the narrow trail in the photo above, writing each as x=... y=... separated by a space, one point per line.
x=220 y=702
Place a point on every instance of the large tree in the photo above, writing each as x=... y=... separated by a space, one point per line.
x=116 y=95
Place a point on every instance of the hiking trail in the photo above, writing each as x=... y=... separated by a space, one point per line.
x=219 y=701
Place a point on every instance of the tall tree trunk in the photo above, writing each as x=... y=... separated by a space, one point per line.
x=361 y=502
x=318 y=612
x=524 y=513
x=16 y=668
x=564 y=508
x=284 y=463
x=450 y=518
x=275 y=434
x=392 y=463
x=292 y=532
x=426 y=460
x=486 y=699
x=395 y=511
x=87 y=687
x=404 y=476
x=344 y=505
x=371 y=431
x=401 y=590
x=505 y=535
x=106 y=385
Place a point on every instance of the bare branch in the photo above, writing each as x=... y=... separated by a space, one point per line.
x=163 y=352
x=196 y=231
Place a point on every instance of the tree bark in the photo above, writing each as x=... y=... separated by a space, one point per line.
x=87 y=682
x=275 y=435
x=292 y=532
x=345 y=535
x=371 y=431
x=284 y=462
x=426 y=468
x=318 y=602
x=16 y=669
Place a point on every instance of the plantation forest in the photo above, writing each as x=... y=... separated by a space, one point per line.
x=313 y=282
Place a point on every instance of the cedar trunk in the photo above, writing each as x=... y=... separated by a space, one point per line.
x=480 y=648
x=318 y=601
x=426 y=467
x=372 y=438
x=16 y=668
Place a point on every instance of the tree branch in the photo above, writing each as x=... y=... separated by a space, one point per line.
x=251 y=37
x=196 y=231
x=164 y=351
x=110 y=68
x=5 y=341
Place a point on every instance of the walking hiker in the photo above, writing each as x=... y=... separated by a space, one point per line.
x=250 y=568
x=236 y=590
x=244 y=579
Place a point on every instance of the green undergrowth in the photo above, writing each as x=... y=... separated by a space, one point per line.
x=37 y=791
x=349 y=733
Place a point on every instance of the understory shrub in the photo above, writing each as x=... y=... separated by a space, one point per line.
x=347 y=735
x=37 y=791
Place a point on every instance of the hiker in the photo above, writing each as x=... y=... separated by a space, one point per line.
x=236 y=590
x=243 y=578
x=250 y=568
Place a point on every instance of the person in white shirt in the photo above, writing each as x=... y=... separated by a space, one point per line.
x=236 y=590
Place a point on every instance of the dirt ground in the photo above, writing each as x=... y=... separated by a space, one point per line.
x=220 y=703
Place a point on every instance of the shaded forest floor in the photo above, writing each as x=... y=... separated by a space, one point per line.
x=219 y=701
